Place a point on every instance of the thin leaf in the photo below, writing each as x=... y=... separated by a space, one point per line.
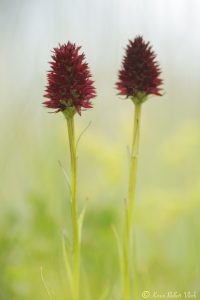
x=81 y=134
x=81 y=219
x=67 y=263
x=119 y=247
x=65 y=175
x=45 y=285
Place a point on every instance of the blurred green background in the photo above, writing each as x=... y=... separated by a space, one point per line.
x=35 y=210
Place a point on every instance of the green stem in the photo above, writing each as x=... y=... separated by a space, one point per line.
x=130 y=202
x=75 y=223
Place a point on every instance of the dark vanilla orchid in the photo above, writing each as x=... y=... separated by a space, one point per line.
x=69 y=80
x=139 y=75
x=70 y=90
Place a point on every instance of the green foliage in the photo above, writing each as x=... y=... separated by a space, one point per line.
x=35 y=212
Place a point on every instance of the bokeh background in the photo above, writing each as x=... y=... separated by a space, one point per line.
x=35 y=210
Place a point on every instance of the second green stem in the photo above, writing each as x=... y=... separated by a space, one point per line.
x=130 y=203
x=75 y=223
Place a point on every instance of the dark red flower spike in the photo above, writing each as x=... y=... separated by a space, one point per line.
x=139 y=75
x=69 y=80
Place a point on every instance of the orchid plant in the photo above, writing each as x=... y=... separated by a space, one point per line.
x=70 y=90
x=139 y=77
